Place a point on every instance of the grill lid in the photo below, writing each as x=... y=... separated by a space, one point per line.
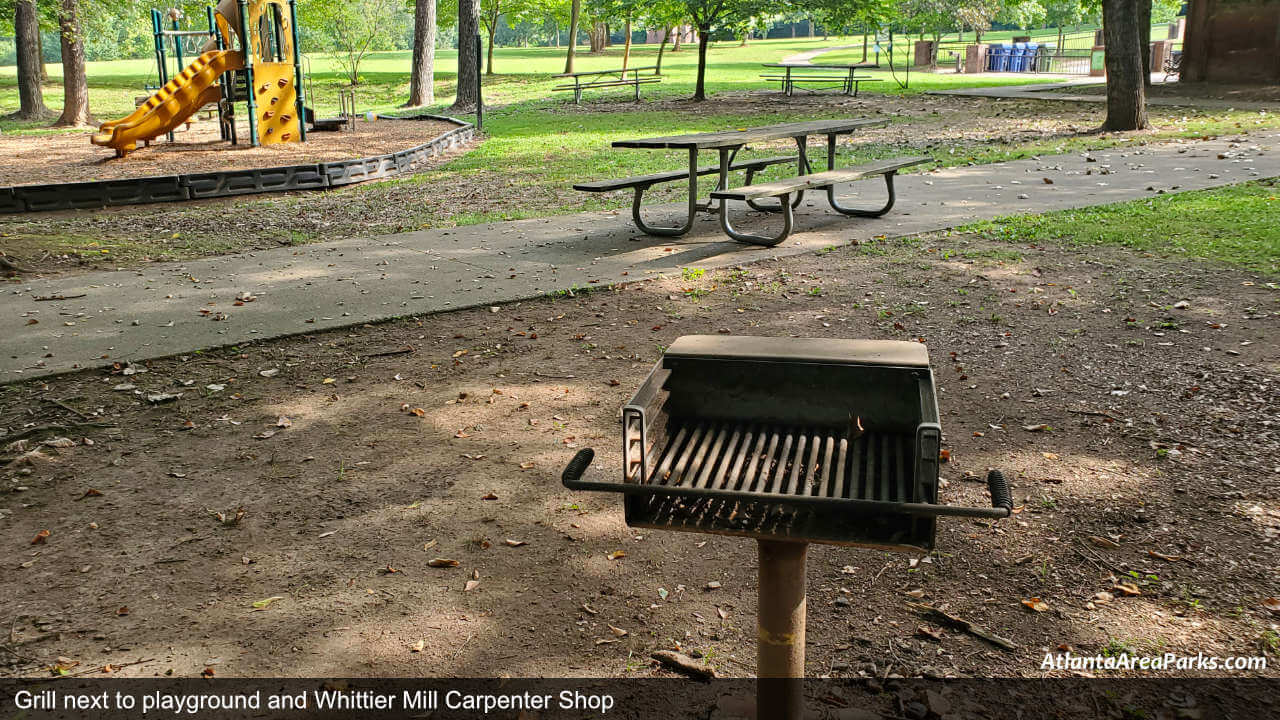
x=894 y=353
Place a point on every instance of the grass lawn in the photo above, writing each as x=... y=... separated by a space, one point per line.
x=1237 y=225
x=523 y=75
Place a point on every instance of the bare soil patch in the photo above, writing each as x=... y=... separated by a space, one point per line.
x=329 y=471
x=1193 y=91
x=70 y=157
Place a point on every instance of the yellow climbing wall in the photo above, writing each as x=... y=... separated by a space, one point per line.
x=276 y=101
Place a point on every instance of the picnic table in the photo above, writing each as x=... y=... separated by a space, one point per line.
x=727 y=144
x=848 y=82
x=586 y=79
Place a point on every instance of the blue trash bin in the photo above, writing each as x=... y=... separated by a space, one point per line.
x=1029 y=63
x=1006 y=54
x=1018 y=56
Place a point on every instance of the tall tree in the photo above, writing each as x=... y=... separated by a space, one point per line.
x=574 y=15
x=709 y=15
x=26 y=30
x=422 y=78
x=1126 y=96
x=490 y=12
x=468 y=55
x=75 y=84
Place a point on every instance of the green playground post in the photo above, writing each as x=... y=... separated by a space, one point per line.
x=246 y=42
x=297 y=72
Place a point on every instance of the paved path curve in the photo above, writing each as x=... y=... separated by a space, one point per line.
x=171 y=308
x=807 y=56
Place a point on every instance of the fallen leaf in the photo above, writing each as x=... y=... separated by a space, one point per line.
x=262 y=604
x=617 y=631
x=442 y=562
x=1103 y=542
x=327 y=534
x=40 y=537
x=265 y=434
x=1272 y=604
x=1127 y=588
x=514 y=543
x=283 y=422
x=526 y=465
x=1036 y=428
x=944 y=455
x=419 y=412
x=1049 y=455
x=724 y=614
x=207 y=672
x=1036 y=604
x=1162 y=556
x=1104 y=597
x=327 y=381
x=929 y=632
x=122 y=610
x=418 y=646
x=471 y=585
x=917 y=593
x=617 y=554
x=461 y=434
x=272 y=372
x=489 y=496
x=91 y=493
x=714 y=585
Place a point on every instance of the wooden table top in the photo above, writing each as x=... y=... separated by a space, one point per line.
x=734 y=138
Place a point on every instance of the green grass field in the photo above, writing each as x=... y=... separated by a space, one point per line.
x=523 y=75
x=1238 y=225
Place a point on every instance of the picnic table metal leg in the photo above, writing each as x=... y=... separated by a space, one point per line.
x=888 y=181
x=693 y=204
x=762 y=240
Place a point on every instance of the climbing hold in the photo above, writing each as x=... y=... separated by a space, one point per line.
x=282 y=82
x=285 y=118
x=285 y=136
x=263 y=88
x=275 y=100
x=267 y=115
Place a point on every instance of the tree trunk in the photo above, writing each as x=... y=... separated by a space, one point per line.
x=574 y=11
x=1126 y=99
x=1143 y=10
x=75 y=86
x=864 y=46
x=468 y=55
x=626 y=49
x=679 y=31
x=555 y=38
x=700 y=90
x=810 y=21
x=745 y=35
x=423 y=78
x=26 y=25
x=44 y=67
x=491 y=27
x=662 y=47
x=598 y=37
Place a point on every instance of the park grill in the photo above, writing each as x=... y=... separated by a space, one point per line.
x=789 y=441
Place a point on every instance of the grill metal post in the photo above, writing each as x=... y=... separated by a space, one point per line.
x=780 y=629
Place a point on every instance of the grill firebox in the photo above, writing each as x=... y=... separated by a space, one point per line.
x=789 y=441
x=819 y=440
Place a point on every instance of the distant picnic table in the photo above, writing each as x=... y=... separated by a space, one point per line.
x=587 y=79
x=790 y=192
x=848 y=81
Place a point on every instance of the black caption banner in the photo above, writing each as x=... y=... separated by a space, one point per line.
x=72 y=698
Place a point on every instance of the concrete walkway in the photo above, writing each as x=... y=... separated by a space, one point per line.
x=172 y=308
x=807 y=56
x=1053 y=91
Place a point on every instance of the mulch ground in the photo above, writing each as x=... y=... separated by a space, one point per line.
x=70 y=157
x=299 y=509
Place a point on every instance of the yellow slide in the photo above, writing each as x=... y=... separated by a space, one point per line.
x=193 y=88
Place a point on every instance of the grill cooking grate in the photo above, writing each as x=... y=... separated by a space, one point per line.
x=777 y=460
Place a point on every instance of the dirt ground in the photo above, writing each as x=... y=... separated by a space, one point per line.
x=70 y=157
x=281 y=516
x=1193 y=91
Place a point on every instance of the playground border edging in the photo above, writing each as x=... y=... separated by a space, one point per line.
x=229 y=183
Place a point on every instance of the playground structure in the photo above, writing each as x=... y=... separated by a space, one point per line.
x=262 y=68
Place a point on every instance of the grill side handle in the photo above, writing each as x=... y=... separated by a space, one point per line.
x=572 y=475
x=1001 y=497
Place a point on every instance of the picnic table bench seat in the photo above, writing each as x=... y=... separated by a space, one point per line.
x=782 y=189
x=640 y=183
